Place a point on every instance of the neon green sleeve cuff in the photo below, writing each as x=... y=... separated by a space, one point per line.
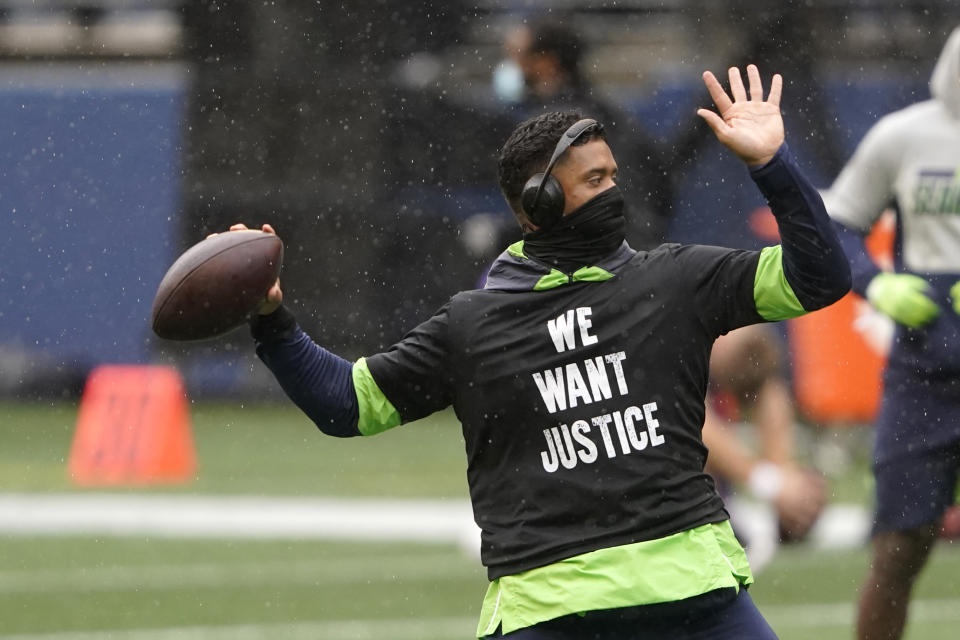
x=377 y=414
x=772 y=294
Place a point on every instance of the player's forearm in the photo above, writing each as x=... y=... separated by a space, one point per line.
x=730 y=460
x=814 y=263
x=862 y=267
x=317 y=381
x=774 y=417
x=726 y=457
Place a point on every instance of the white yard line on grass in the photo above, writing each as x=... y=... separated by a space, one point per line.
x=396 y=629
x=237 y=517
x=355 y=519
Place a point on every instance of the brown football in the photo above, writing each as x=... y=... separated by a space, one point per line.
x=216 y=284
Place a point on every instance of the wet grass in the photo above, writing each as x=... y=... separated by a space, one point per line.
x=260 y=449
x=85 y=586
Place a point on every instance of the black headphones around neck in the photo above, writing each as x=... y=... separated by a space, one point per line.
x=542 y=196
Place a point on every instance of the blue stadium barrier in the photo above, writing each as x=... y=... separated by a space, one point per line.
x=90 y=202
x=90 y=192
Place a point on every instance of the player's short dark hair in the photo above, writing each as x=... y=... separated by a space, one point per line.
x=528 y=149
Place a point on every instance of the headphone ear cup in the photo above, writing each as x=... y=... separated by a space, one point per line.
x=529 y=194
x=549 y=207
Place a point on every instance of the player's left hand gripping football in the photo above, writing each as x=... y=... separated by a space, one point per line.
x=274 y=297
x=749 y=126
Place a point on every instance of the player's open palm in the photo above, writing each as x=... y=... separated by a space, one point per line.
x=748 y=125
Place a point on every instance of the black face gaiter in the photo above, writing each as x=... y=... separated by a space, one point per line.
x=584 y=236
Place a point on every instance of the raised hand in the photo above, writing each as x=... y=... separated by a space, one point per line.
x=751 y=127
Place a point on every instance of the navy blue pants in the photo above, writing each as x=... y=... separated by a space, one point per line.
x=719 y=615
x=916 y=451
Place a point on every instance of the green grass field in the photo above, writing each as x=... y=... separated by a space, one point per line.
x=139 y=588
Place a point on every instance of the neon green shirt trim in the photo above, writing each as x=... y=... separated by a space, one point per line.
x=591 y=274
x=584 y=274
x=377 y=414
x=552 y=280
x=772 y=294
x=676 y=567
x=556 y=277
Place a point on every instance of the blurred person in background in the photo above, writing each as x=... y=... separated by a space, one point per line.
x=909 y=160
x=748 y=384
x=597 y=521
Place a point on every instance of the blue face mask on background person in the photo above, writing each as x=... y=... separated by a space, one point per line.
x=508 y=84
